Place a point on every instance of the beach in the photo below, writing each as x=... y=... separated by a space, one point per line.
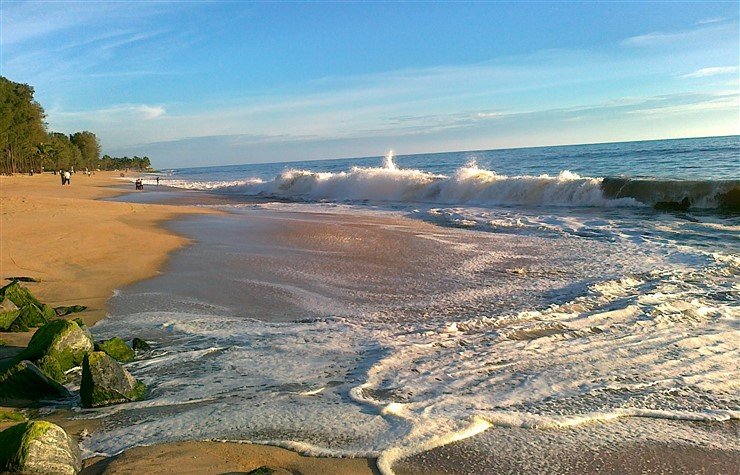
x=82 y=248
x=301 y=317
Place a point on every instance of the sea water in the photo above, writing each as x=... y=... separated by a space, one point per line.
x=540 y=290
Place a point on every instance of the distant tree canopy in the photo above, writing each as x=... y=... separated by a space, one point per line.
x=122 y=163
x=26 y=145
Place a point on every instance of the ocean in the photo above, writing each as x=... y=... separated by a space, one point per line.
x=389 y=305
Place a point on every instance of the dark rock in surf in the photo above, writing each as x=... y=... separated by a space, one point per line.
x=106 y=382
x=730 y=201
x=140 y=345
x=682 y=205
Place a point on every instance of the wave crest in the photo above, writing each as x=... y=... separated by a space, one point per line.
x=472 y=185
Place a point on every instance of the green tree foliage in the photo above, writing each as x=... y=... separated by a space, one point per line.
x=124 y=163
x=22 y=127
x=26 y=145
x=89 y=146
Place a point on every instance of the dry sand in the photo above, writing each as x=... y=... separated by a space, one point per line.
x=79 y=248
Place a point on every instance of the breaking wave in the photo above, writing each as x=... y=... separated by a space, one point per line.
x=472 y=185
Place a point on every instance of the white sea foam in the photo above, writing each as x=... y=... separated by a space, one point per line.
x=657 y=344
x=469 y=185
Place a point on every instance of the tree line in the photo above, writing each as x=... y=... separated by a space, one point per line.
x=26 y=144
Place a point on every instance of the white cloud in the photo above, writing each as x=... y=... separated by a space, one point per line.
x=705 y=72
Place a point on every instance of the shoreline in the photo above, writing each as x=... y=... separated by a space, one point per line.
x=125 y=243
x=221 y=457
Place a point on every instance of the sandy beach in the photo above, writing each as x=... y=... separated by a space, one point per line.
x=81 y=249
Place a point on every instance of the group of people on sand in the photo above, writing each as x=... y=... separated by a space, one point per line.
x=66 y=176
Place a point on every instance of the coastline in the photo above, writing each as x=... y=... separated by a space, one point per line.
x=216 y=457
x=95 y=248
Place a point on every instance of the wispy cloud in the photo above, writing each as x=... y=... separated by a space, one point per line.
x=703 y=33
x=714 y=71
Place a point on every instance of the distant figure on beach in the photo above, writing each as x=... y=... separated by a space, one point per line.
x=139 y=184
x=67 y=176
x=157 y=181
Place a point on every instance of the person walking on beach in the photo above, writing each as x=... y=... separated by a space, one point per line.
x=157 y=181
x=61 y=175
x=67 y=176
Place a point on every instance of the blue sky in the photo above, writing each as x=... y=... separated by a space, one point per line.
x=206 y=83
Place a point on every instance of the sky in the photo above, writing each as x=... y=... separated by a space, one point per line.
x=191 y=83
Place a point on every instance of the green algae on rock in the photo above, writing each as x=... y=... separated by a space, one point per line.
x=63 y=340
x=26 y=381
x=8 y=313
x=38 y=447
x=106 y=382
x=117 y=349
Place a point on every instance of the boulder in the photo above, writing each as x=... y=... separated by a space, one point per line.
x=106 y=382
x=39 y=447
x=18 y=294
x=26 y=381
x=117 y=349
x=140 y=345
x=30 y=316
x=62 y=340
x=50 y=366
x=8 y=313
x=63 y=311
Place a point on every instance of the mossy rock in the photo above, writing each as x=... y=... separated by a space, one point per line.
x=117 y=349
x=106 y=382
x=8 y=313
x=26 y=381
x=30 y=316
x=11 y=416
x=140 y=345
x=63 y=340
x=18 y=294
x=39 y=447
x=64 y=311
x=50 y=366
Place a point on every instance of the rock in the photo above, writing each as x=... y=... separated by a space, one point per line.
x=8 y=313
x=30 y=316
x=265 y=470
x=63 y=340
x=39 y=447
x=63 y=311
x=117 y=349
x=140 y=345
x=106 y=382
x=50 y=366
x=18 y=294
x=682 y=205
x=730 y=201
x=26 y=381
x=23 y=279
